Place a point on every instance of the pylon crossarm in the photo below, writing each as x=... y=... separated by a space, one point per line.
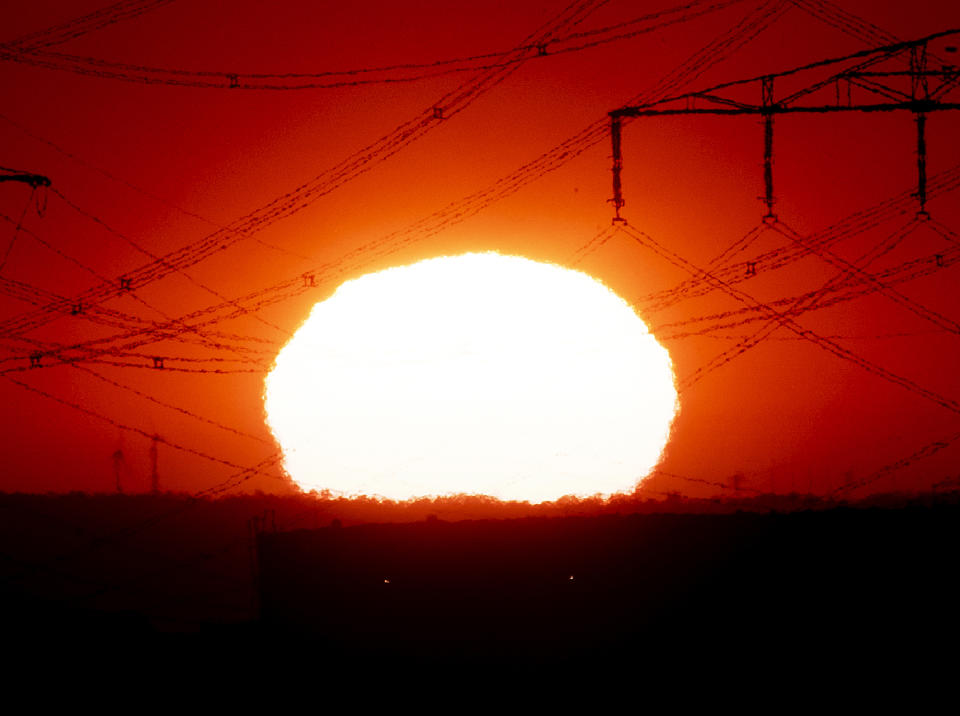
x=949 y=83
x=34 y=180
x=890 y=93
x=877 y=83
x=911 y=106
x=721 y=100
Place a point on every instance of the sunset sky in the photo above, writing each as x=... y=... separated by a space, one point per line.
x=236 y=162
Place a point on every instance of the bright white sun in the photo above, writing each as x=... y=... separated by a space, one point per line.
x=480 y=374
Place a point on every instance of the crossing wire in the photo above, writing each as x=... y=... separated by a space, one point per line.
x=71 y=306
x=695 y=479
x=41 y=297
x=701 y=59
x=158 y=259
x=72 y=29
x=801 y=306
x=853 y=225
x=123 y=426
x=926 y=451
x=852 y=269
x=387 y=74
x=846 y=21
x=306 y=194
x=787 y=322
x=16 y=230
x=909 y=270
x=296 y=285
x=728 y=42
x=691 y=479
x=170 y=406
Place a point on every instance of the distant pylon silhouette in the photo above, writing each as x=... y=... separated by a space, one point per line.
x=118 y=468
x=154 y=471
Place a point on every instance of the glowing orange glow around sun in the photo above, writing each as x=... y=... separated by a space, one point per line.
x=479 y=374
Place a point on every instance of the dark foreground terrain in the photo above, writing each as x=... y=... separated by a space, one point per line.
x=579 y=591
x=554 y=591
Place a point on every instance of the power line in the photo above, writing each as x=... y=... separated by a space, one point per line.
x=854 y=269
x=170 y=406
x=16 y=231
x=129 y=428
x=853 y=287
x=119 y=234
x=787 y=322
x=387 y=74
x=79 y=306
x=77 y=27
x=852 y=225
x=743 y=32
x=801 y=306
x=293 y=292
x=928 y=450
x=303 y=196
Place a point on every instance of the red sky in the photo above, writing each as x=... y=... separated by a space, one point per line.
x=161 y=166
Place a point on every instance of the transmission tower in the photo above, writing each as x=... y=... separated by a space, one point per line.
x=154 y=472
x=118 y=462
x=736 y=482
x=869 y=81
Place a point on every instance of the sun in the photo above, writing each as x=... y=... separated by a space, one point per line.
x=480 y=374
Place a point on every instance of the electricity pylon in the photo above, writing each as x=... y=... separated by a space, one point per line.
x=868 y=81
x=34 y=180
x=154 y=467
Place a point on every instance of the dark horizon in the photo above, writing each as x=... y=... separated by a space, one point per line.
x=595 y=594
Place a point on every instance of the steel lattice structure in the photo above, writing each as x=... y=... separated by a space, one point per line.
x=870 y=81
